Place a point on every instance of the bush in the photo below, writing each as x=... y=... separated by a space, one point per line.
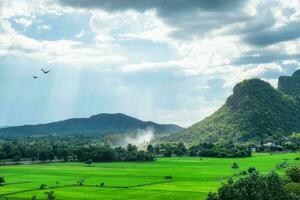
x=251 y=170
x=282 y=165
x=168 y=177
x=43 y=186
x=88 y=162
x=243 y=173
x=293 y=187
x=81 y=181
x=293 y=173
x=2 y=180
x=254 y=187
x=235 y=166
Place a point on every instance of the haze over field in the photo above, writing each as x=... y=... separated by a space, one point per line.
x=170 y=61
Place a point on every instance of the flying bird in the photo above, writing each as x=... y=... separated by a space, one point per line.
x=34 y=77
x=45 y=71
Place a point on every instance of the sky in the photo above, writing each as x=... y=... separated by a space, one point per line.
x=168 y=61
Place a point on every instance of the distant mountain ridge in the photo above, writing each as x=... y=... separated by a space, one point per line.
x=96 y=124
x=255 y=111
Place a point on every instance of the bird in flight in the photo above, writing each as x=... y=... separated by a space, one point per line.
x=34 y=77
x=45 y=71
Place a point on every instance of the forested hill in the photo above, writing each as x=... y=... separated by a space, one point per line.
x=97 y=124
x=290 y=84
x=254 y=111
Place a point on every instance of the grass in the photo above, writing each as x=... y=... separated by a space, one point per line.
x=192 y=178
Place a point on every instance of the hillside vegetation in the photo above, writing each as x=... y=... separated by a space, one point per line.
x=255 y=111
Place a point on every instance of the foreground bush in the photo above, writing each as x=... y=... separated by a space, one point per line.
x=255 y=187
x=293 y=187
x=293 y=173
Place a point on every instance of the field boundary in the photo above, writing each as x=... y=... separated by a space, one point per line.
x=76 y=185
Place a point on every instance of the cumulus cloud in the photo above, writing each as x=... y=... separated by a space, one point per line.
x=23 y=21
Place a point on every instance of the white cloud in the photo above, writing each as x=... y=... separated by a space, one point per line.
x=59 y=51
x=80 y=34
x=44 y=27
x=250 y=71
x=24 y=22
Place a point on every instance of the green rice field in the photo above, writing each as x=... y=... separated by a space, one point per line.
x=192 y=178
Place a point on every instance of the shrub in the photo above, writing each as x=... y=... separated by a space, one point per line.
x=243 y=172
x=293 y=187
x=50 y=195
x=168 y=177
x=235 y=166
x=80 y=182
x=293 y=173
x=282 y=165
x=2 y=180
x=251 y=170
x=43 y=186
x=88 y=162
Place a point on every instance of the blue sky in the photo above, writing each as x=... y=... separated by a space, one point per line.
x=168 y=61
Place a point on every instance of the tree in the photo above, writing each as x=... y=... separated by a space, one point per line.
x=81 y=182
x=254 y=187
x=17 y=158
x=293 y=173
x=2 y=180
x=131 y=147
x=150 y=148
x=50 y=195
x=235 y=166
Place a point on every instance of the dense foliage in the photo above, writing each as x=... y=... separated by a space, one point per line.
x=84 y=148
x=293 y=173
x=222 y=150
x=255 y=111
x=70 y=148
x=290 y=84
x=254 y=187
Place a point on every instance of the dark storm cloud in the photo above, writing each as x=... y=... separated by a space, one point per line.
x=263 y=56
x=270 y=36
x=162 y=6
x=189 y=17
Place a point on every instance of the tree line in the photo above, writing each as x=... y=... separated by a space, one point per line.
x=89 y=148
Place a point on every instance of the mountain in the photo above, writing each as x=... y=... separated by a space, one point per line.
x=97 y=124
x=290 y=84
x=254 y=111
